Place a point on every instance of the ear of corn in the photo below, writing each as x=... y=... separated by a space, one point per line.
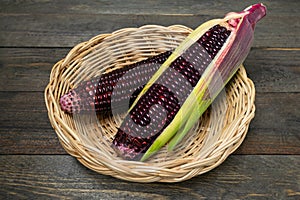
x=194 y=59
x=224 y=65
x=102 y=93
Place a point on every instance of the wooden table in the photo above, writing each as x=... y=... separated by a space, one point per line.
x=34 y=35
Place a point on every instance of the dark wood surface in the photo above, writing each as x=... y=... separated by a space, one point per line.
x=34 y=35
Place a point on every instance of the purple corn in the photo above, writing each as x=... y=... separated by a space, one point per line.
x=158 y=106
x=95 y=94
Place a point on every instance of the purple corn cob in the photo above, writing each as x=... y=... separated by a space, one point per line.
x=158 y=106
x=95 y=94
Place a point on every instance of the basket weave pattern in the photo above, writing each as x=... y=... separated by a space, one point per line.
x=219 y=132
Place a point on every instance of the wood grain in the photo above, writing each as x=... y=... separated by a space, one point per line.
x=25 y=128
x=30 y=25
x=28 y=69
x=62 y=177
x=24 y=125
x=274 y=70
x=155 y=7
x=275 y=127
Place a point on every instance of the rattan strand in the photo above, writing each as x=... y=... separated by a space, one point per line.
x=219 y=132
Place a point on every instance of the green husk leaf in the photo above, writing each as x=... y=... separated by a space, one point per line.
x=199 y=110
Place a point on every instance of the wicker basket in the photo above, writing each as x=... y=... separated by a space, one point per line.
x=219 y=132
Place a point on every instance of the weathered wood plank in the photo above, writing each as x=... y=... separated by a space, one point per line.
x=274 y=70
x=25 y=127
x=28 y=69
x=62 y=177
x=155 y=7
x=55 y=28
x=275 y=128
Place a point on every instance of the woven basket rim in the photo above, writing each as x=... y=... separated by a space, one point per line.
x=62 y=79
